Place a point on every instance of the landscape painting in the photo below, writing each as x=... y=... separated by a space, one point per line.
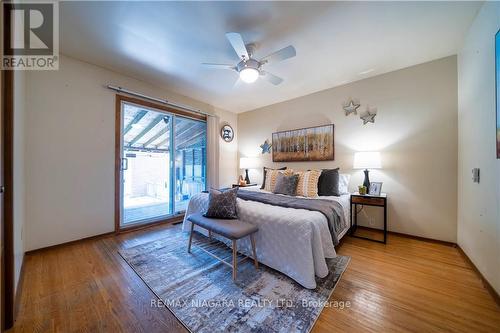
x=497 y=76
x=306 y=144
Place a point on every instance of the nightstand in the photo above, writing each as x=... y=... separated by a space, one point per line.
x=368 y=200
x=247 y=185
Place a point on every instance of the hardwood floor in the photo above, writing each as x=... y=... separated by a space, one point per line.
x=406 y=285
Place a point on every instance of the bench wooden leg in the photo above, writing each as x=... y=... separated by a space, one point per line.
x=235 y=259
x=252 y=239
x=190 y=237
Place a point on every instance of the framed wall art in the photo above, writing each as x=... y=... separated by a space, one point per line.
x=305 y=144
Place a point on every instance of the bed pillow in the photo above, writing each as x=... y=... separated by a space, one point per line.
x=308 y=183
x=286 y=184
x=328 y=183
x=272 y=176
x=344 y=183
x=222 y=204
x=264 y=176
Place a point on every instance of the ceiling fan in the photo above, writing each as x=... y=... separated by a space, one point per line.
x=250 y=68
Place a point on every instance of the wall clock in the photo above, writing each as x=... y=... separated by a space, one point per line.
x=227 y=133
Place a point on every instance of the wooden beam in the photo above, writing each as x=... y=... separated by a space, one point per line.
x=156 y=136
x=190 y=141
x=139 y=115
x=148 y=128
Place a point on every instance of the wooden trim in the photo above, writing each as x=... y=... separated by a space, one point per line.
x=51 y=247
x=8 y=206
x=425 y=239
x=159 y=106
x=171 y=220
x=485 y=282
x=118 y=120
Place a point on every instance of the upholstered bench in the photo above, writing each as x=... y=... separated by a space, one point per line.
x=231 y=229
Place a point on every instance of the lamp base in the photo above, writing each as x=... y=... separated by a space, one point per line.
x=246 y=176
x=366 y=183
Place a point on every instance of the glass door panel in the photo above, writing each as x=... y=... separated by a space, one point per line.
x=146 y=160
x=190 y=160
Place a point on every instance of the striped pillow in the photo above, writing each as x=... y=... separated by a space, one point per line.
x=308 y=183
x=272 y=176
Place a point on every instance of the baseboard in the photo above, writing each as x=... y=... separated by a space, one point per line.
x=17 y=296
x=42 y=249
x=485 y=282
x=425 y=239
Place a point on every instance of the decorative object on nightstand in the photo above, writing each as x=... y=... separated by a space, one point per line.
x=367 y=200
x=367 y=160
x=362 y=190
x=248 y=163
x=375 y=188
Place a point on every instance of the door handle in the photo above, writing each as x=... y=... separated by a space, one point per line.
x=124 y=164
x=2 y=189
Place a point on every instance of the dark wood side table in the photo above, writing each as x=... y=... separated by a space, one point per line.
x=368 y=200
x=247 y=185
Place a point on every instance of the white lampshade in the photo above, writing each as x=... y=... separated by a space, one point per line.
x=367 y=160
x=249 y=163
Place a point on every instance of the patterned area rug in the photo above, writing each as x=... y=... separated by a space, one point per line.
x=200 y=292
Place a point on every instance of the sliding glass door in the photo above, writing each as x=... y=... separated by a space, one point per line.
x=162 y=163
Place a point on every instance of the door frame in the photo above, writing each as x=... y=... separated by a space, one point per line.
x=119 y=98
x=7 y=150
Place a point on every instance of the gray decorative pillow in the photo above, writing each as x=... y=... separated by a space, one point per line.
x=264 y=175
x=328 y=184
x=222 y=204
x=286 y=184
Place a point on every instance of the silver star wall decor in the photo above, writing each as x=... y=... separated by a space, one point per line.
x=351 y=107
x=369 y=115
x=266 y=147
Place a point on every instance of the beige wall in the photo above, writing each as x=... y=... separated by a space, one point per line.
x=415 y=130
x=70 y=125
x=479 y=204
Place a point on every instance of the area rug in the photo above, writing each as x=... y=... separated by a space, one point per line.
x=200 y=292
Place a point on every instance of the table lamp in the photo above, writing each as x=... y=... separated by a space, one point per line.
x=367 y=160
x=248 y=163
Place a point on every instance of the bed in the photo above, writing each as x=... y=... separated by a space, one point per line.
x=293 y=241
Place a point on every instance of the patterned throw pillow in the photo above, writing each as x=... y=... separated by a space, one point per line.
x=272 y=176
x=264 y=172
x=308 y=183
x=222 y=205
x=286 y=184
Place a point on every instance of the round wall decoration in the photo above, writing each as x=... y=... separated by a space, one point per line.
x=227 y=133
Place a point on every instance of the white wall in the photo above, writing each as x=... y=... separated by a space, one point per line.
x=70 y=126
x=479 y=204
x=415 y=130
x=19 y=172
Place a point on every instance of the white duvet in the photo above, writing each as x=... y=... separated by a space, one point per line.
x=292 y=241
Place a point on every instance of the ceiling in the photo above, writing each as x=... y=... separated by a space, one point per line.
x=163 y=43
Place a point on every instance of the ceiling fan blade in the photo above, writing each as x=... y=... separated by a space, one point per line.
x=218 y=66
x=280 y=55
x=238 y=45
x=271 y=77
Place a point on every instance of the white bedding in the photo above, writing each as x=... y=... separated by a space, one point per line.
x=292 y=241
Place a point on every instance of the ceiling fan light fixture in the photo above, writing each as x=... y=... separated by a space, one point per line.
x=249 y=75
